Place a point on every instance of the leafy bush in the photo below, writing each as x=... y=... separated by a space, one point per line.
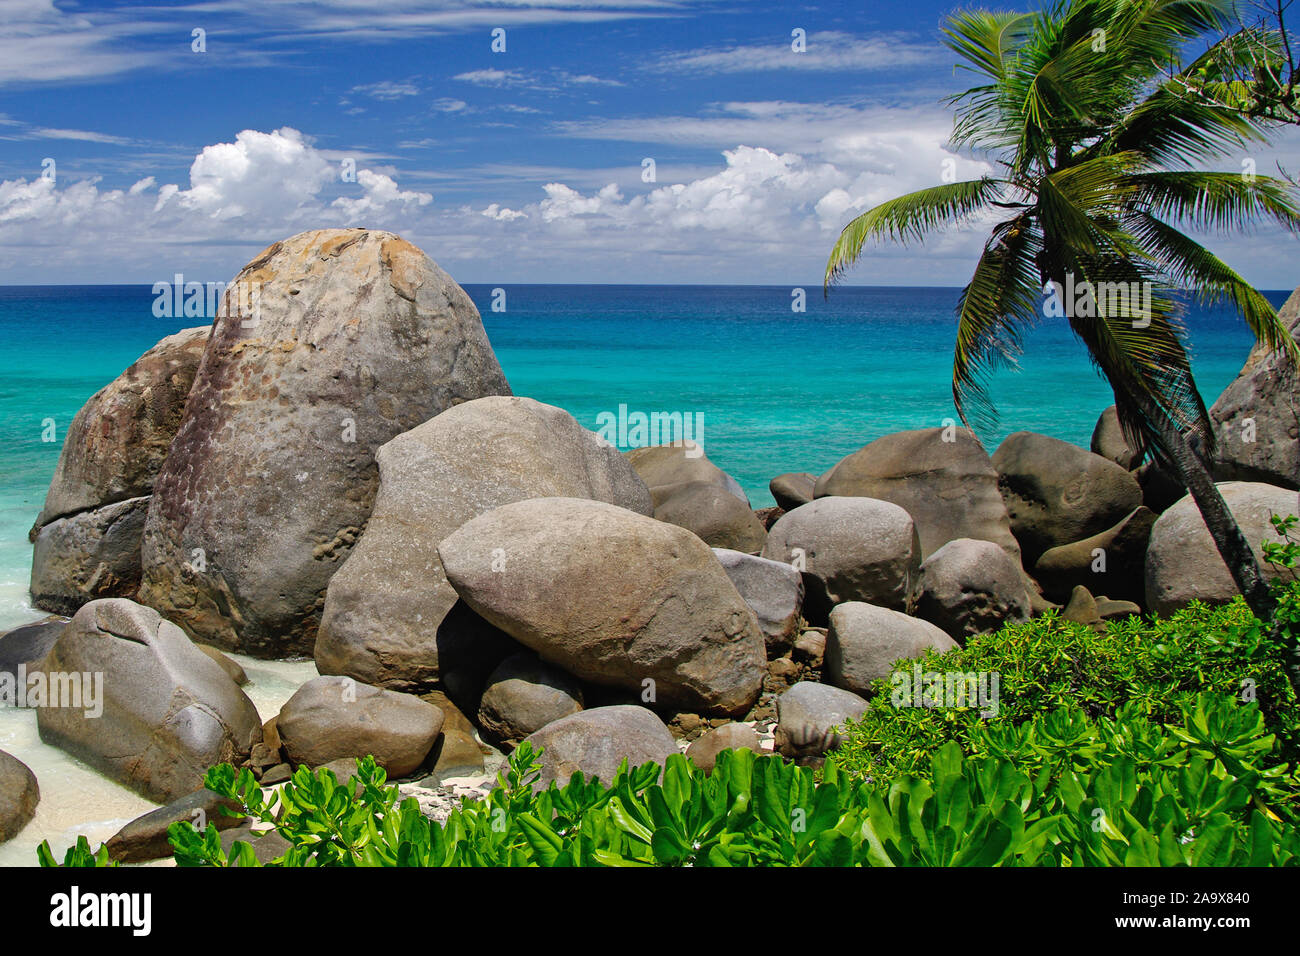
x=1156 y=666
x=1063 y=789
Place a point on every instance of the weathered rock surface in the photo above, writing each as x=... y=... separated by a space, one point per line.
x=457 y=751
x=942 y=477
x=1057 y=493
x=713 y=512
x=594 y=742
x=169 y=712
x=389 y=610
x=1258 y=415
x=864 y=641
x=793 y=489
x=1111 y=562
x=19 y=795
x=1082 y=609
x=1109 y=442
x=971 y=587
x=145 y=837
x=353 y=337
x=267 y=845
x=116 y=444
x=703 y=752
x=612 y=597
x=28 y=645
x=523 y=695
x=88 y=555
x=851 y=549
x=232 y=668
x=1160 y=487
x=329 y=718
x=808 y=716
x=663 y=465
x=772 y=589
x=1182 y=562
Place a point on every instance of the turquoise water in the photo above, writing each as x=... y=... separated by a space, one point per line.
x=778 y=391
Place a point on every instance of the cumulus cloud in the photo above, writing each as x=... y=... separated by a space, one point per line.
x=767 y=210
x=502 y=214
x=261 y=186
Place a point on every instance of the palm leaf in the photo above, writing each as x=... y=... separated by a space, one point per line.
x=910 y=217
x=1001 y=302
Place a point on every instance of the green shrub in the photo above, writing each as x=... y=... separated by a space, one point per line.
x=1062 y=789
x=1156 y=666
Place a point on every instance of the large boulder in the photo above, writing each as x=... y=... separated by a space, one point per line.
x=614 y=598
x=155 y=711
x=88 y=555
x=864 y=641
x=116 y=444
x=523 y=695
x=772 y=589
x=970 y=587
x=849 y=549
x=344 y=339
x=1056 y=492
x=389 y=610
x=145 y=837
x=1182 y=563
x=1109 y=442
x=595 y=742
x=703 y=752
x=793 y=489
x=330 y=718
x=19 y=795
x=1258 y=415
x=808 y=718
x=716 y=515
x=26 y=646
x=1111 y=562
x=942 y=477
x=684 y=462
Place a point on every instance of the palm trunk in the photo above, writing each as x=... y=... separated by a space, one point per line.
x=1228 y=537
x=1233 y=547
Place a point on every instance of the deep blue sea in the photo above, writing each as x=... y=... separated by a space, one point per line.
x=778 y=390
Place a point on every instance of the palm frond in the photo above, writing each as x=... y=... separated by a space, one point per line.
x=1216 y=200
x=910 y=217
x=1192 y=266
x=1002 y=300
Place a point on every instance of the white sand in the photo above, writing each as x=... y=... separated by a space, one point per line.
x=78 y=801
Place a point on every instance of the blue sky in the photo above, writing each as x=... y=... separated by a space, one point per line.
x=515 y=166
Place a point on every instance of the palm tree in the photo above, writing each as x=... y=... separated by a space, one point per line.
x=1095 y=140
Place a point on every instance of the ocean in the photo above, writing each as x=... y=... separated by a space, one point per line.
x=775 y=390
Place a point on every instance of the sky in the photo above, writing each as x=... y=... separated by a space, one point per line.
x=570 y=141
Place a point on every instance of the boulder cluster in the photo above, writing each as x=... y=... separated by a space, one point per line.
x=345 y=475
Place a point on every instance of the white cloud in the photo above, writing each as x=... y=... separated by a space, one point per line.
x=387 y=90
x=43 y=43
x=85 y=136
x=491 y=77
x=766 y=211
x=502 y=214
x=823 y=51
x=380 y=193
x=543 y=80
